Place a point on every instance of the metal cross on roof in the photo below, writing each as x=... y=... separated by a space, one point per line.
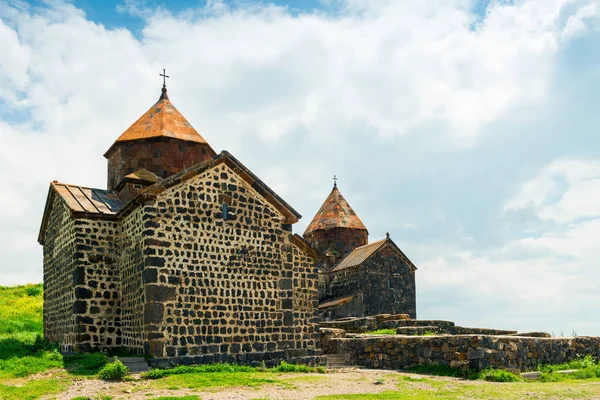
x=165 y=76
x=335 y=181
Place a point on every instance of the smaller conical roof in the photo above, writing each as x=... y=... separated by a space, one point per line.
x=161 y=120
x=335 y=213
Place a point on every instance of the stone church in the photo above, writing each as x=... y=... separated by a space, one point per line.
x=358 y=278
x=188 y=257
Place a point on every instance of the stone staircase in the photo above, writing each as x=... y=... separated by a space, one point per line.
x=134 y=364
x=336 y=361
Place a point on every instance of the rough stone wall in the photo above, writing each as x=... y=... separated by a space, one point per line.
x=96 y=283
x=346 y=309
x=161 y=156
x=131 y=267
x=475 y=351
x=389 y=285
x=129 y=190
x=304 y=301
x=224 y=290
x=341 y=240
x=59 y=295
x=346 y=282
x=81 y=293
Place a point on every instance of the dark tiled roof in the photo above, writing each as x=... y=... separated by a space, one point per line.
x=335 y=213
x=161 y=120
x=359 y=254
x=336 y=302
x=88 y=200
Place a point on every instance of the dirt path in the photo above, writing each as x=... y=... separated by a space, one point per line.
x=293 y=386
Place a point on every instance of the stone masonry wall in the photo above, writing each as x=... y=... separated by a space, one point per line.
x=347 y=282
x=131 y=265
x=340 y=240
x=305 y=302
x=96 y=283
x=389 y=287
x=59 y=296
x=475 y=351
x=223 y=290
x=161 y=156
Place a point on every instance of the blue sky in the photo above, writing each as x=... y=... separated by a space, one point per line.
x=111 y=14
x=467 y=130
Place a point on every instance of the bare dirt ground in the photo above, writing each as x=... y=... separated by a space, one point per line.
x=293 y=386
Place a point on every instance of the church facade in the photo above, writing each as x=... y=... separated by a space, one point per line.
x=187 y=256
x=358 y=278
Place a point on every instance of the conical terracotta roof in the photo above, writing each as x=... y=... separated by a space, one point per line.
x=335 y=213
x=162 y=120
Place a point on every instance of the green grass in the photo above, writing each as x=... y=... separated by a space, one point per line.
x=21 y=309
x=587 y=368
x=32 y=389
x=215 y=379
x=176 y=398
x=382 y=332
x=426 y=389
x=228 y=368
x=86 y=364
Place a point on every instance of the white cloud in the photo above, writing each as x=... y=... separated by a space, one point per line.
x=299 y=98
x=552 y=276
x=565 y=191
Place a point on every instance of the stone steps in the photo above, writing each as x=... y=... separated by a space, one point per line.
x=335 y=361
x=534 y=376
x=135 y=365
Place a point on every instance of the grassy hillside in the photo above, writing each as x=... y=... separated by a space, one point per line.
x=21 y=309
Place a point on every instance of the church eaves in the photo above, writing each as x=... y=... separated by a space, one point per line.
x=335 y=213
x=162 y=120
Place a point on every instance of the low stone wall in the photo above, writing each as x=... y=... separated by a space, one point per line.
x=327 y=334
x=474 y=351
x=417 y=330
x=401 y=321
x=352 y=325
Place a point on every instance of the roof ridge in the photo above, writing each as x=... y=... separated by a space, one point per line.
x=369 y=244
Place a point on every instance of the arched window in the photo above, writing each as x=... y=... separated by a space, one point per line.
x=224 y=209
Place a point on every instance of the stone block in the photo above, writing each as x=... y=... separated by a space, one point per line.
x=153 y=313
x=160 y=293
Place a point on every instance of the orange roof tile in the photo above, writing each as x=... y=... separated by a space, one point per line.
x=161 y=120
x=143 y=175
x=335 y=213
x=359 y=254
x=88 y=200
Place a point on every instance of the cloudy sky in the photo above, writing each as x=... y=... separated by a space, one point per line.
x=467 y=129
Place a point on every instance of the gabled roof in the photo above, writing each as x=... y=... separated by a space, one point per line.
x=94 y=203
x=335 y=213
x=291 y=216
x=81 y=200
x=362 y=253
x=142 y=175
x=161 y=120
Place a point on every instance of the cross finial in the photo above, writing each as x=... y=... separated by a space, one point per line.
x=335 y=181
x=387 y=235
x=165 y=76
x=163 y=95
